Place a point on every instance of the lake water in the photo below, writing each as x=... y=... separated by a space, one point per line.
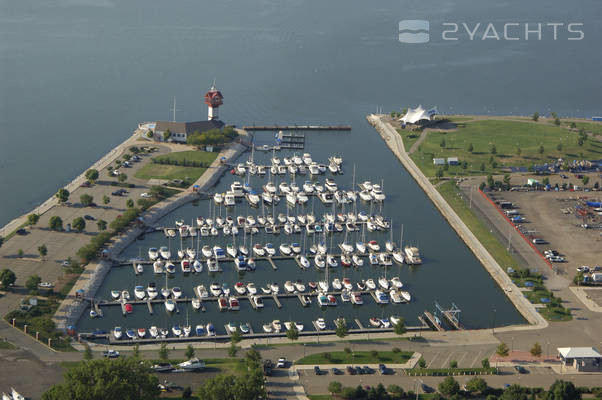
x=78 y=75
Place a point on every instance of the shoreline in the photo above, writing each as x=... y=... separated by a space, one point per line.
x=526 y=309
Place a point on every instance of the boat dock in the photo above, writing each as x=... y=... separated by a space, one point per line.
x=359 y=324
x=297 y=128
x=432 y=322
x=278 y=304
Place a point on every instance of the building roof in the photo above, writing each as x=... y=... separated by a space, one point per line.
x=418 y=114
x=187 y=127
x=579 y=352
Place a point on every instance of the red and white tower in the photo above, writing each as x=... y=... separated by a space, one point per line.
x=213 y=99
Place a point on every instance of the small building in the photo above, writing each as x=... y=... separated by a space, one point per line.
x=583 y=359
x=439 y=161
x=452 y=160
x=179 y=131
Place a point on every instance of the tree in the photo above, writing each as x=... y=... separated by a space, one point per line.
x=129 y=203
x=86 y=199
x=518 y=151
x=106 y=200
x=164 y=352
x=20 y=253
x=236 y=336
x=7 y=278
x=482 y=167
x=92 y=175
x=442 y=143
x=557 y=121
x=470 y=148
x=341 y=329
x=580 y=141
x=490 y=181
x=101 y=224
x=122 y=177
x=439 y=172
x=396 y=390
x=189 y=351
x=79 y=224
x=422 y=363
x=535 y=116
x=124 y=378
x=33 y=219
x=32 y=282
x=541 y=149
x=400 y=327
x=493 y=149
x=43 y=250
x=62 y=194
x=507 y=179
x=514 y=392
x=536 y=350
x=485 y=363
x=232 y=350
x=136 y=351
x=449 y=386
x=502 y=350
x=55 y=223
x=562 y=390
x=453 y=364
x=476 y=385
x=127 y=157
x=293 y=333
x=585 y=180
x=253 y=356
x=88 y=353
x=559 y=147
x=166 y=134
x=335 y=387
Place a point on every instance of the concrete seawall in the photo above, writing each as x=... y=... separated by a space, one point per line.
x=94 y=274
x=395 y=143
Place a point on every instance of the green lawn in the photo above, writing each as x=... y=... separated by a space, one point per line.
x=593 y=127
x=165 y=171
x=408 y=137
x=450 y=192
x=507 y=136
x=359 y=357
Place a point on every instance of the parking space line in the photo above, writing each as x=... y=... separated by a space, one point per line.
x=475 y=359
x=433 y=360
x=462 y=358
x=445 y=363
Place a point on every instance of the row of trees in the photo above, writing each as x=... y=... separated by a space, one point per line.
x=212 y=136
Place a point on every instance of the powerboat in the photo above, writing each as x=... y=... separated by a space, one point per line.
x=139 y=292
x=199 y=330
x=218 y=198
x=406 y=295
x=206 y=250
x=276 y=325
x=222 y=303
x=268 y=328
x=395 y=297
x=336 y=284
x=231 y=250
x=251 y=288
x=258 y=250
x=361 y=247
x=170 y=305
x=240 y=263
x=198 y=266
x=215 y=289
x=202 y=292
x=303 y=261
x=383 y=283
x=141 y=332
x=270 y=249
x=345 y=296
x=153 y=253
x=240 y=288
x=244 y=328
x=233 y=303
x=381 y=297
x=320 y=323
x=115 y=294
x=117 y=332
x=176 y=292
x=375 y=322
x=176 y=330
x=258 y=301
x=196 y=303
x=356 y=298
x=151 y=290
x=357 y=260
x=385 y=259
x=185 y=265
x=285 y=249
x=165 y=253
x=210 y=329
x=396 y=282
x=320 y=261
x=370 y=284
x=373 y=245
x=218 y=252
x=289 y=287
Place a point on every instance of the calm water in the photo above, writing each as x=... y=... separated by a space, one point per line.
x=77 y=75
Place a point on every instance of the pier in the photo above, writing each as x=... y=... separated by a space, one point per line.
x=297 y=127
x=432 y=322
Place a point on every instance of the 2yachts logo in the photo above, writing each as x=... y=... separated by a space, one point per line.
x=418 y=31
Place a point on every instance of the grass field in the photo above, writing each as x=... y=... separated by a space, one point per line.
x=359 y=357
x=169 y=172
x=590 y=127
x=507 y=136
x=451 y=194
x=408 y=137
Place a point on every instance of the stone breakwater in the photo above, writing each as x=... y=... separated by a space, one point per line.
x=94 y=274
x=395 y=143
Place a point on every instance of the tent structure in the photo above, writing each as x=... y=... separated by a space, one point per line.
x=415 y=115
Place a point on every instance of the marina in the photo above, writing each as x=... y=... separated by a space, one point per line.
x=333 y=231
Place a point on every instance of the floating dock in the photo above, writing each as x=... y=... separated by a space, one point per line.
x=432 y=322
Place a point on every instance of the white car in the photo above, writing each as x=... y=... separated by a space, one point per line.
x=111 y=353
x=281 y=363
x=115 y=172
x=145 y=195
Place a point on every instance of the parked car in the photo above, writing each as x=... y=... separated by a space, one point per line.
x=350 y=370
x=85 y=184
x=583 y=268
x=89 y=217
x=336 y=371
x=281 y=363
x=145 y=195
x=382 y=369
x=359 y=370
x=539 y=241
x=521 y=369
x=367 y=370
x=317 y=370
x=111 y=353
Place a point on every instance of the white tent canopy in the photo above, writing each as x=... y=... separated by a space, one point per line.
x=418 y=114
